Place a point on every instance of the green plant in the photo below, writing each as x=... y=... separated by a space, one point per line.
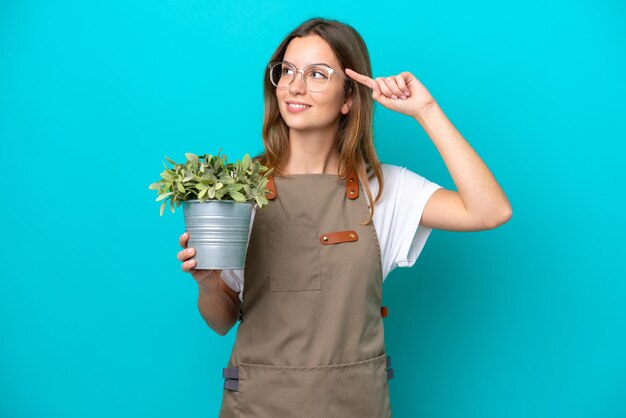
x=212 y=177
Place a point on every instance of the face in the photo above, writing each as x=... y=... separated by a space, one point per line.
x=321 y=109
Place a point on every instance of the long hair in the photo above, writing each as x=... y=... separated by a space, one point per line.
x=354 y=141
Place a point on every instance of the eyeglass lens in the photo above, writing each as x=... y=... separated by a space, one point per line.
x=315 y=77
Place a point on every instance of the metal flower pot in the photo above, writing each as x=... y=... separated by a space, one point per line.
x=219 y=231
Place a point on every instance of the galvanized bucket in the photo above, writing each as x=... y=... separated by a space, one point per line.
x=219 y=231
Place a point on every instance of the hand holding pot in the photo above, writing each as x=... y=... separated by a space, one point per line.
x=207 y=279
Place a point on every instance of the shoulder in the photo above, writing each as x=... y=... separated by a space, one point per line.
x=389 y=172
x=396 y=177
x=401 y=184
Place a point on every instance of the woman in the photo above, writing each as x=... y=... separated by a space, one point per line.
x=310 y=342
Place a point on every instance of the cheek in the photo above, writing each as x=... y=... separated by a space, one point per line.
x=332 y=102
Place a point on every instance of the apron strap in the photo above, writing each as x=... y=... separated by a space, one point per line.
x=352 y=187
x=231 y=384
x=389 y=369
x=271 y=188
x=231 y=374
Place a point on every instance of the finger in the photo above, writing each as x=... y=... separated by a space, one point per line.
x=378 y=95
x=393 y=86
x=183 y=239
x=185 y=254
x=386 y=91
x=402 y=85
x=188 y=265
x=363 y=79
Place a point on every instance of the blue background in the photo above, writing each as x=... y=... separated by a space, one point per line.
x=98 y=320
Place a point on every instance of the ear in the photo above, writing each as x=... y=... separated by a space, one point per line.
x=347 y=105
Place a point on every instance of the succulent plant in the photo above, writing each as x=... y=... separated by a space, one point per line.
x=212 y=177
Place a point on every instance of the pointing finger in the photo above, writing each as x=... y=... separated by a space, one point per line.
x=363 y=79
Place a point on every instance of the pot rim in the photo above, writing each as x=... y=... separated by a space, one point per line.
x=217 y=201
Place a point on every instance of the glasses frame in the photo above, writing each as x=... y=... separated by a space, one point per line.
x=330 y=69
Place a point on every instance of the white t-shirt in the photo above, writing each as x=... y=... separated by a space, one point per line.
x=396 y=221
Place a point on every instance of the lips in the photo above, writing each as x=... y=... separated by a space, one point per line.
x=295 y=107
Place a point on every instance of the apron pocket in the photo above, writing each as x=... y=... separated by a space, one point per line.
x=282 y=392
x=350 y=390
x=294 y=261
x=360 y=389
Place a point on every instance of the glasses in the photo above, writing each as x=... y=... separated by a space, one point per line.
x=315 y=76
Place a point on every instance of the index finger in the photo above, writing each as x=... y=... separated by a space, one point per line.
x=363 y=79
x=183 y=239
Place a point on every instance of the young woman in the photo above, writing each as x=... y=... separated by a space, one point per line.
x=310 y=342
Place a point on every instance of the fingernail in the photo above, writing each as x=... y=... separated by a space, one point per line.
x=407 y=93
x=403 y=97
x=189 y=251
x=393 y=96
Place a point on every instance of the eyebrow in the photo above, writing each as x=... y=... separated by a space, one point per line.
x=317 y=63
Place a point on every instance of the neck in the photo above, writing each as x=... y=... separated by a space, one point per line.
x=312 y=152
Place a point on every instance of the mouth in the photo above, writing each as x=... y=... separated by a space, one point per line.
x=297 y=106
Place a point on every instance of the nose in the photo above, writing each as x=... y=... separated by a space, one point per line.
x=297 y=86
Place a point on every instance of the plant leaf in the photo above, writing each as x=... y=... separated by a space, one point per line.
x=238 y=197
x=163 y=196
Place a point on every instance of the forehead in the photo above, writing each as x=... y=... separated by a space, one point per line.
x=310 y=49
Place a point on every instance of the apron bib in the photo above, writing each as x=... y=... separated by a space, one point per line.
x=311 y=341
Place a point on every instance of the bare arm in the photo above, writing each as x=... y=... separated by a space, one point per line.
x=218 y=304
x=480 y=202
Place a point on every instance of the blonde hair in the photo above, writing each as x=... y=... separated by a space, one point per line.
x=355 y=142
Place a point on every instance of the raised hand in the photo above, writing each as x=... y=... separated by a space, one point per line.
x=402 y=93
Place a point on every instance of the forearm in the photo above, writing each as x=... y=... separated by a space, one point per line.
x=217 y=308
x=481 y=194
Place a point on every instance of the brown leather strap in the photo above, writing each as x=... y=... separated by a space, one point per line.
x=384 y=311
x=352 y=186
x=337 y=237
x=270 y=193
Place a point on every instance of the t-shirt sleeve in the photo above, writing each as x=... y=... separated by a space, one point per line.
x=234 y=280
x=404 y=197
x=413 y=194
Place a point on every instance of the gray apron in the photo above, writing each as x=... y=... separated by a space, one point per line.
x=310 y=342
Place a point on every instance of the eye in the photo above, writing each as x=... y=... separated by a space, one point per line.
x=286 y=71
x=319 y=73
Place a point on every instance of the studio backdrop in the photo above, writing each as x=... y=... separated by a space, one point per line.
x=98 y=320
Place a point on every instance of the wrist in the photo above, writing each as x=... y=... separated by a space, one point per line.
x=425 y=111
